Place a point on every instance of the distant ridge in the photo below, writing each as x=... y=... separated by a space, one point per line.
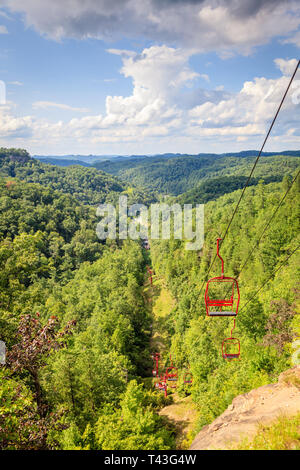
x=66 y=160
x=90 y=160
x=62 y=161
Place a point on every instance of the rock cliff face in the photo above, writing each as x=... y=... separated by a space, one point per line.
x=15 y=155
x=262 y=405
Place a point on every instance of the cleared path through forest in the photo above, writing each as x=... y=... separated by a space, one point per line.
x=182 y=412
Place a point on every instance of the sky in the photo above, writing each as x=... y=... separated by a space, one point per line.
x=148 y=76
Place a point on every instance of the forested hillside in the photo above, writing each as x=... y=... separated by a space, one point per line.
x=177 y=175
x=213 y=188
x=44 y=236
x=87 y=185
x=76 y=329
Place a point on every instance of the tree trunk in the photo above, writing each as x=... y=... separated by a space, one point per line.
x=38 y=394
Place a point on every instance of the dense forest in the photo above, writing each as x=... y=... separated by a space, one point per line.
x=213 y=188
x=179 y=174
x=77 y=323
x=87 y=185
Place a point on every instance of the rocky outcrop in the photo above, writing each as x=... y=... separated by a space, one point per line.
x=15 y=155
x=262 y=405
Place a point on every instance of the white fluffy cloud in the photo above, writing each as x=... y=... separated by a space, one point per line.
x=250 y=111
x=221 y=25
x=12 y=126
x=157 y=110
x=158 y=74
x=154 y=108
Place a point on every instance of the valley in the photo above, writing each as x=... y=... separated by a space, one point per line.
x=94 y=388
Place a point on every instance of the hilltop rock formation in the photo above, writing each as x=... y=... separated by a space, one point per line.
x=260 y=406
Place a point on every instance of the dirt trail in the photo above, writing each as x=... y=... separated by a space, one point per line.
x=260 y=406
x=162 y=304
x=182 y=412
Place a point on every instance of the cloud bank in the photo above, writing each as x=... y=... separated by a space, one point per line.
x=161 y=109
x=204 y=25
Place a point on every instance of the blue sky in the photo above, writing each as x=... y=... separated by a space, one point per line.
x=149 y=77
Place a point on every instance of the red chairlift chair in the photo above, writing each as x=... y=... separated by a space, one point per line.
x=231 y=348
x=172 y=374
x=188 y=377
x=214 y=306
x=150 y=274
x=155 y=357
